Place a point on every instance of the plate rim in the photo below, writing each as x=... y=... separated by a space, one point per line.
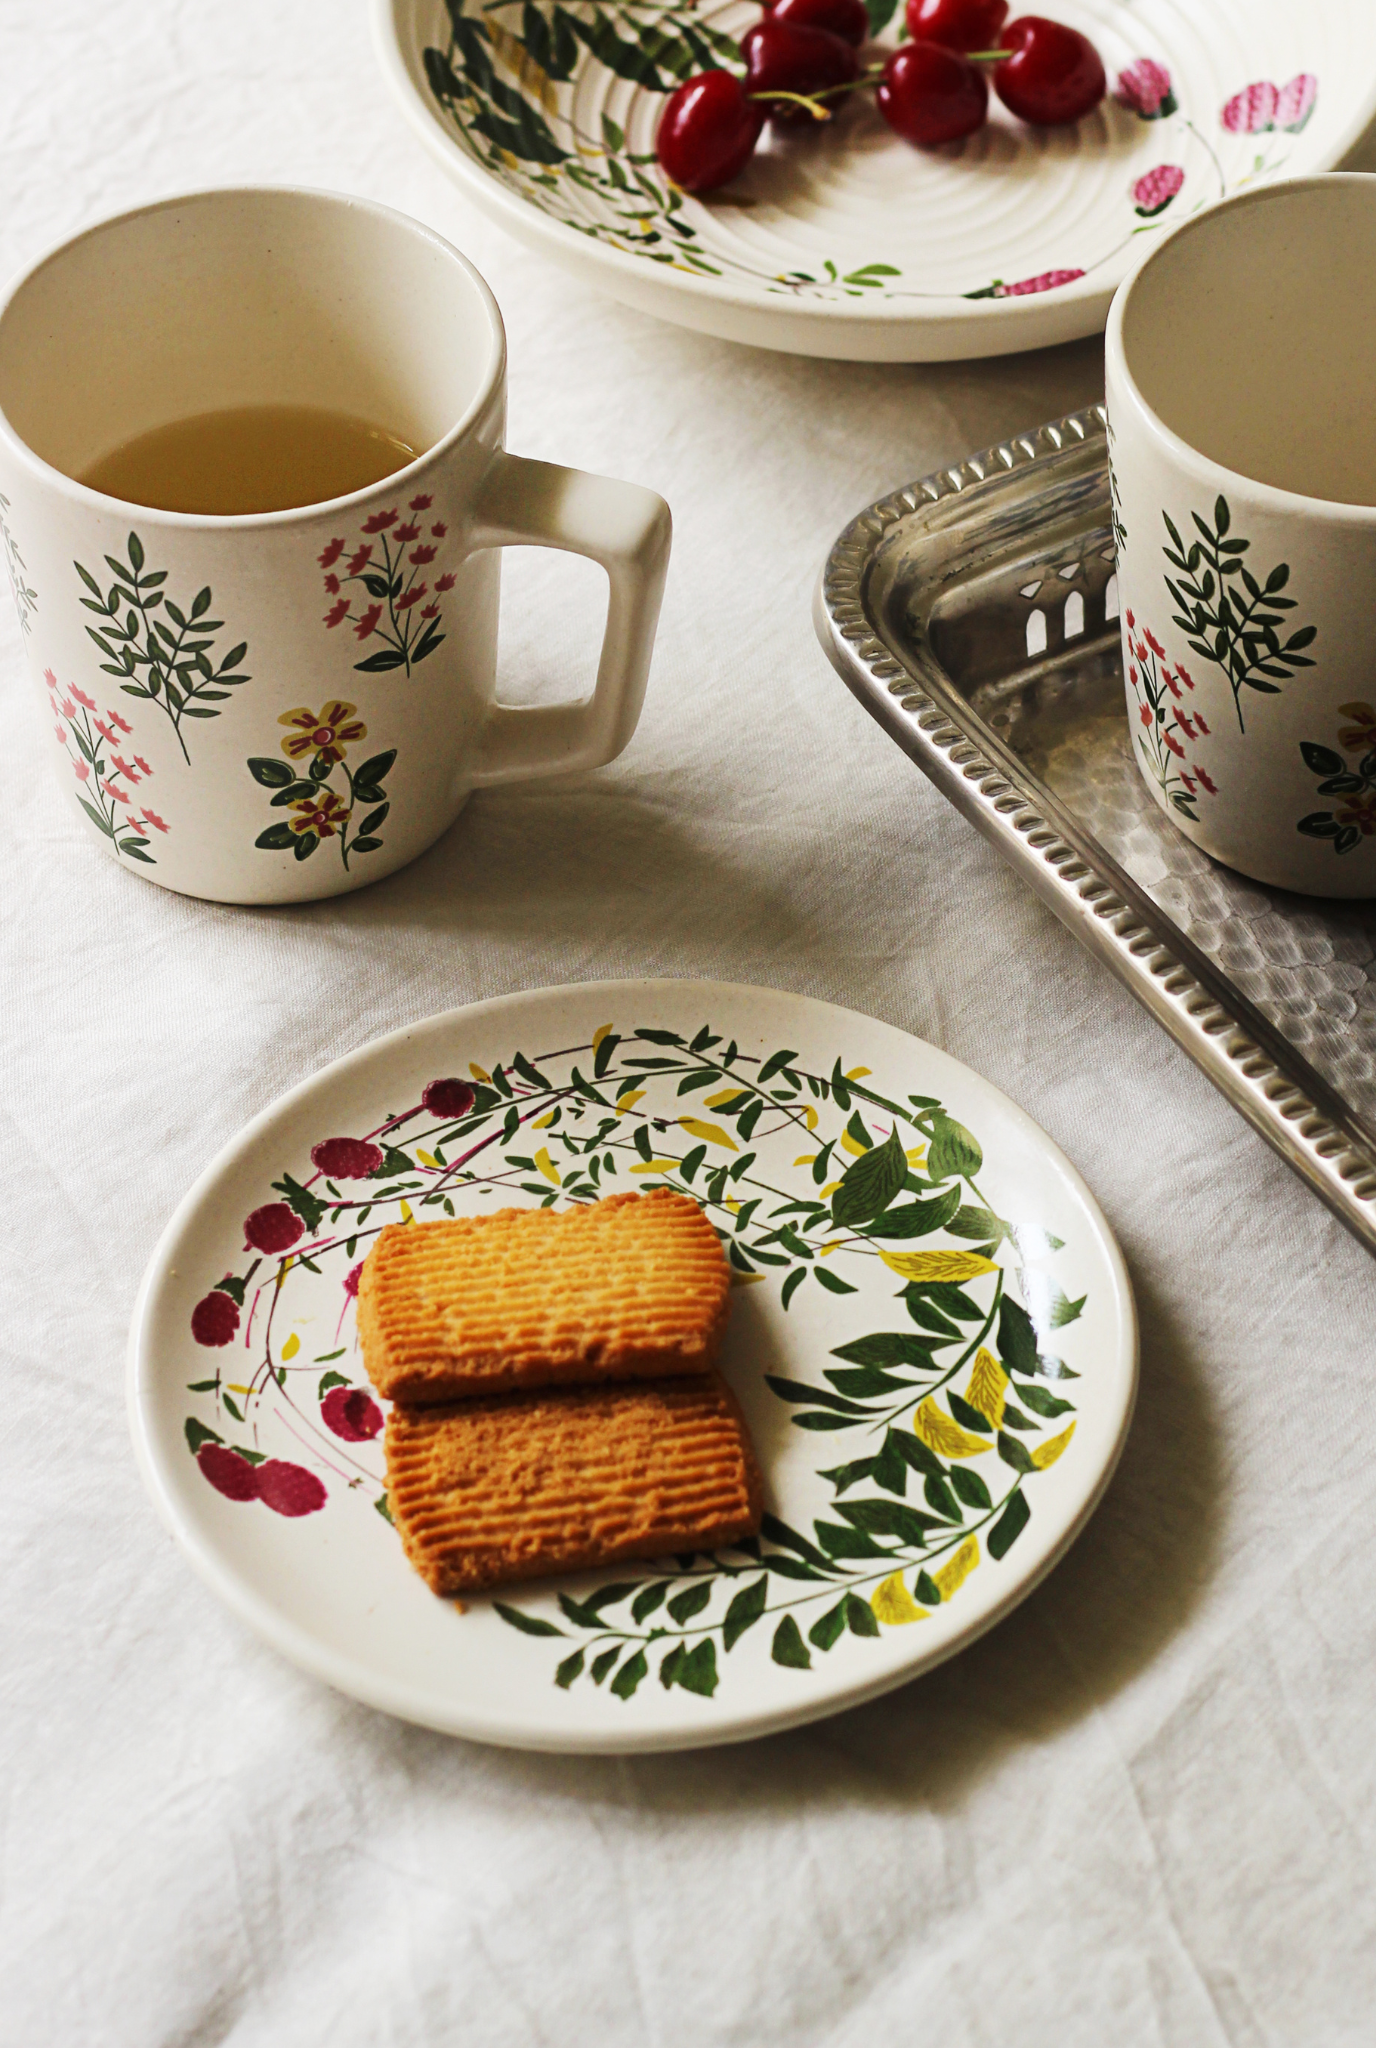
x=1082 y=306
x=354 y=1679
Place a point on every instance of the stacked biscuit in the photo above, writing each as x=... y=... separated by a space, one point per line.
x=555 y=1403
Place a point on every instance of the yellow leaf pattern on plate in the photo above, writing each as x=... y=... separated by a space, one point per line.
x=829 y=1189
x=547 y=1166
x=943 y=1436
x=479 y=1073
x=916 y=1156
x=955 y=1266
x=406 y=1213
x=809 y=1116
x=656 y=1166
x=953 y=1574
x=517 y=58
x=541 y=1123
x=893 y=1603
x=602 y=1031
x=711 y=1134
x=292 y=1346
x=806 y=1159
x=629 y=1097
x=1048 y=1453
x=858 y=1073
x=428 y=1159
x=988 y=1387
x=852 y=1145
x=722 y=1095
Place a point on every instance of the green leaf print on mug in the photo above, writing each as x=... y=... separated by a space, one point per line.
x=161 y=652
x=1354 y=818
x=1235 y=629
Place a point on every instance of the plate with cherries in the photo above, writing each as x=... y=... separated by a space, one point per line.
x=882 y=180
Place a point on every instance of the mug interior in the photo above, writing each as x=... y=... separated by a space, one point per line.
x=239 y=298
x=1249 y=336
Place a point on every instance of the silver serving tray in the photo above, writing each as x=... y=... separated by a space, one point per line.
x=975 y=615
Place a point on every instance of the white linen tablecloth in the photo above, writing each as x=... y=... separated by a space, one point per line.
x=1141 y=1811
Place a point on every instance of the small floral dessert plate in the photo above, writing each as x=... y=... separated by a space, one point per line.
x=933 y=1338
x=845 y=241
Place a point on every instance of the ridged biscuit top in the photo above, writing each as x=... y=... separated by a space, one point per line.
x=630 y=1287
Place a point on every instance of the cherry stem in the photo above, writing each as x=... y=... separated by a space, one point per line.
x=813 y=101
x=987 y=56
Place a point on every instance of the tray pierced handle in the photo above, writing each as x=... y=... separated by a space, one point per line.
x=1247 y=1059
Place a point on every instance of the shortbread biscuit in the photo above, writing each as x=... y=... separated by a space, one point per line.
x=633 y=1287
x=489 y=1491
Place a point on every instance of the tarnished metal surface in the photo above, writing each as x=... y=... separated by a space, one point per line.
x=975 y=616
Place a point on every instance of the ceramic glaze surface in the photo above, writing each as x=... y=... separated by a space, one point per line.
x=847 y=241
x=932 y=1336
x=282 y=706
x=1246 y=606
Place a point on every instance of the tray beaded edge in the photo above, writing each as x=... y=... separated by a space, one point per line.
x=1252 y=1063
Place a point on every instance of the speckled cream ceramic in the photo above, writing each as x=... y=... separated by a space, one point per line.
x=932 y=1337
x=1243 y=448
x=288 y=705
x=841 y=239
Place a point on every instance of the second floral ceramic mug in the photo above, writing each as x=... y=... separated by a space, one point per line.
x=286 y=705
x=1243 y=447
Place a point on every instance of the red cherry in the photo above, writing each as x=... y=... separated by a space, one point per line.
x=214 y=1319
x=957 y=24
x=781 y=57
x=844 y=18
x=930 y=95
x=346 y=1158
x=1054 y=75
x=453 y=1097
x=351 y=1414
x=227 y=1472
x=289 y=1489
x=706 y=135
x=273 y=1228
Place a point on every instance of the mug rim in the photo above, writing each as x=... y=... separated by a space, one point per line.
x=201 y=522
x=1274 y=497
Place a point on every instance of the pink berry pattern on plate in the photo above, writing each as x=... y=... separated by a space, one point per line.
x=928 y=1425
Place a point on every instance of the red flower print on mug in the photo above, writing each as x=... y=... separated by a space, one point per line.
x=408 y=629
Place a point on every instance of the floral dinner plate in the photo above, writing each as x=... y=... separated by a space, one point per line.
x=933 y=1338
x=847 y=242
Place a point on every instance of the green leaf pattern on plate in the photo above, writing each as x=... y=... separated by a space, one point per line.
x=933 y=1423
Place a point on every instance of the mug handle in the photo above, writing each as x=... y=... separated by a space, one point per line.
x=628 y=530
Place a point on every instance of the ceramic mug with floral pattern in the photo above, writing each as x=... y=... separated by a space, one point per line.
x=287 y=705
x=1243 y=447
